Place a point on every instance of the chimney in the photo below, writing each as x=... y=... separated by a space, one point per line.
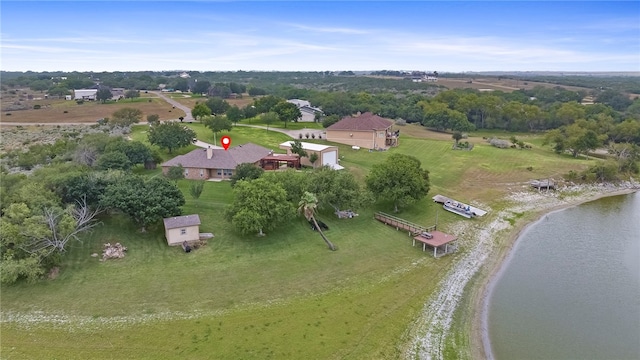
x=209 y=153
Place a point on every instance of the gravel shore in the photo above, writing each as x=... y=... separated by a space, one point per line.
x=480 y=253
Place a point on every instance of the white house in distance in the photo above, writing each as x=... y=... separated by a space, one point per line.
x=85 y=94
x=327 y=155
x=308 y=112
x=179 y=229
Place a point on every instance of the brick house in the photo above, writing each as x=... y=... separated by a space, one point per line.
x=367 y=131
x=204 y=164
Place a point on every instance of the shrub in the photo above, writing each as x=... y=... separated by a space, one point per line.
x=499 y=143
x=65 y=112
x=8 y=114
x=36 y=107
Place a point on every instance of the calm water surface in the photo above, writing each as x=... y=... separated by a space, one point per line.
x=571 y=288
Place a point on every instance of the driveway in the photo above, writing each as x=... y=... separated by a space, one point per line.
x=205 y=145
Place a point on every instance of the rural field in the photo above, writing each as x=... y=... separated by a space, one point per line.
x=56 y=111
x=279 y=296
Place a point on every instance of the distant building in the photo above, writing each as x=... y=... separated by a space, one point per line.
x=308 y=112
x=85 y=94
x=117 y=93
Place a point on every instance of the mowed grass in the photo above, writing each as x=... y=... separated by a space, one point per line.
x=284 y=295
x=281 y=125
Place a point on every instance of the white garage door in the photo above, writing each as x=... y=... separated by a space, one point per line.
x=330 y=158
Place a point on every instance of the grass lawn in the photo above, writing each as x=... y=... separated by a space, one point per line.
x=245 y=297
x=280 y=125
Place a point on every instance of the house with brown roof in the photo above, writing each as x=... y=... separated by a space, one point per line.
x=179 y=229
x=367 y=131
x=204 y=164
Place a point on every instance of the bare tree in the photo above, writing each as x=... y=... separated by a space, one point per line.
x=63 y=226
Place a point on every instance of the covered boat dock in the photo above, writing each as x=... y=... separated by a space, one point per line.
x=440 y=242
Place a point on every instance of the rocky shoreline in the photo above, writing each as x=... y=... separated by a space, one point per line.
x=488 y=244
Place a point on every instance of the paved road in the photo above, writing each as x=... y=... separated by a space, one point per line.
x=187 y=111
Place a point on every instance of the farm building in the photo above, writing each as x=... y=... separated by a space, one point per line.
x=368 y=131
x=179 y=229
x=203 y=164
x=85 y=94
x=308 y=112
x=327 y=155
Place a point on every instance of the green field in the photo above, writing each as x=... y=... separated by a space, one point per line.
x=246 y=297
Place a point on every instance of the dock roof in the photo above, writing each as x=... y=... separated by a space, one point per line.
x=438 y=238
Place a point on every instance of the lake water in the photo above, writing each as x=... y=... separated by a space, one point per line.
x=571 y=287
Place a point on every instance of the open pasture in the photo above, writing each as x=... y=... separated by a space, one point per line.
x=279 y=296
x=69 y=112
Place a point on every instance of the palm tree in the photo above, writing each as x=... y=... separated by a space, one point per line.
x=307 y=206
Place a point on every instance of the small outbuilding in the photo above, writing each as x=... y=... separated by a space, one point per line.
x=179 y=229
x=327 y=155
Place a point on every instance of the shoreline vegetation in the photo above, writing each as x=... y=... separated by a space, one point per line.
x=489 y=243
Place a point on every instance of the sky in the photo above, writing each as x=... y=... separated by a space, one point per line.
x=453 y=36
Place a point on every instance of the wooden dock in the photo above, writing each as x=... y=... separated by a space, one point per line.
x=399 y=223
x=441 y=243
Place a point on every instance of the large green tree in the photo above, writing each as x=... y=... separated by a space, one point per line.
x=200 y=111
x=259 y=206
x=131 y=94
x=246 y=171
x=103 y=95
x=307 y=206
x=336 y=189
x=217 y=124
x=235 y=114
x=287 y=112
x=125 y=117
x=144 y=201
x=266 y=103
x=170 y=135
x=217 y=105
x=400 y=179
x=35 y=229
x=201 y=87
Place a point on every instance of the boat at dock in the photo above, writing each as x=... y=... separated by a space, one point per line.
x=458 y=207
